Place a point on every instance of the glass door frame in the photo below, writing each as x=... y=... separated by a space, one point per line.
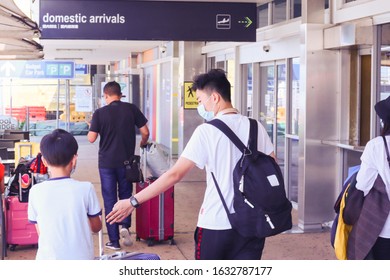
x=288 y=135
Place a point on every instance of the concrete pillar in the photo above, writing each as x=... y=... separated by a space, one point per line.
x=192 y=63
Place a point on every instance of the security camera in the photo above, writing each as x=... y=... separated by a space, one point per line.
x=163 y=49
x=266 y=48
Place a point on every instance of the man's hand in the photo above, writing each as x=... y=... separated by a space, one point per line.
x=143 y=145
x=121 y=210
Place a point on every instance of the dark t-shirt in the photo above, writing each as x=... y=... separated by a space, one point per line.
x=116 y=124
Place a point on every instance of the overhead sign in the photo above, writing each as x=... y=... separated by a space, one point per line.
x=148 y=20
x=37 y=69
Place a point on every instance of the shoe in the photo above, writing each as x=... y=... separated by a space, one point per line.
x=125 y=235
x=113 y=245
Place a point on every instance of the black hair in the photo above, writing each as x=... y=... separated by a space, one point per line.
x=59 y=147
x=112 y=88
x=214 y=80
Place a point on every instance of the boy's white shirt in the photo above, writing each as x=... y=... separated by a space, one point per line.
x=209 y=147
x=61 y=208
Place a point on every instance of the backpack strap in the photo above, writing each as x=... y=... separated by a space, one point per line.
x=234 y=138
x=253 y=135
x=387 y=149
x=241 y=146
x=221 y=196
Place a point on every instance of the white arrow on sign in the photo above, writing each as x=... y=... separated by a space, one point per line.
x=7 y=68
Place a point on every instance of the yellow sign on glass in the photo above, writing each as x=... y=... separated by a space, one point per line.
x=190 y=101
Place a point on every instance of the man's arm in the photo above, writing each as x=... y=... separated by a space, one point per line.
x=95 y=223
x=144 y=130
x=92 y=136
x=123 y=208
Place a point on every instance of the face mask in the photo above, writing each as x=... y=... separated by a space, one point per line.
x=208 y=116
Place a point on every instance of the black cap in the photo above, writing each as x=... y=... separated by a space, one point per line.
x=382 y=108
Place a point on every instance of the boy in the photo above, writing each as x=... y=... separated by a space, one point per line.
x=64 y=210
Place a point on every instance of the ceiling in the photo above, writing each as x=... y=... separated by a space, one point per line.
x=17 y=34
x=94 y=51
x=103 y=51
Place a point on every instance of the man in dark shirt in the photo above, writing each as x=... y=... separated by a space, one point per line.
x=115 y=124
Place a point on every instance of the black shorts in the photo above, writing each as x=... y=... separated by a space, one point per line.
x=226 y=245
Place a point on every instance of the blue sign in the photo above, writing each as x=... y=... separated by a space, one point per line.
x=81 y=69
x=37 y=69
x=148 y=20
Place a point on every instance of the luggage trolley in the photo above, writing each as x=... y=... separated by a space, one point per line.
x=15 y=227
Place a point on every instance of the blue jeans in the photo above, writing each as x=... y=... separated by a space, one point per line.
x=114 y=186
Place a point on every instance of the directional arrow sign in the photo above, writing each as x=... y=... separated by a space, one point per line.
x=7 y=69
x=247 y=22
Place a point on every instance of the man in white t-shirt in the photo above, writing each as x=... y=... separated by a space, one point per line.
x=210 y=148
x=65 y=211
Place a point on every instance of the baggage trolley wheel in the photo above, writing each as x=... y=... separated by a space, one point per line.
x=12 y=247
x=150 y=242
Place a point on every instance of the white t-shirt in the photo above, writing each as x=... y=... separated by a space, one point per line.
x=61 y=208
x=374 y=162
x=210 y=148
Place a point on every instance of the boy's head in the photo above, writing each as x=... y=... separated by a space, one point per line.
x=214 y=80
x=58 y=148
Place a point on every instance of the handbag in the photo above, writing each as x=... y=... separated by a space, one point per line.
x=133 y=169
x=342 y=231
x=354 y=200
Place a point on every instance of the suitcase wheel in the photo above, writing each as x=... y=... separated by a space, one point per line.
x=172 y=242
x=12 y=247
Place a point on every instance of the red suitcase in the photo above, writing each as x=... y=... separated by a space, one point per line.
x=19 y=231
x=155 y=218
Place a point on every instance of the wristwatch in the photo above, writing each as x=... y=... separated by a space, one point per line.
x=134 y=202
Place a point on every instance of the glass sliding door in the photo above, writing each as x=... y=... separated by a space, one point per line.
x=247 y=90
x=281 y=113
x=293 y=130
x=267 y=99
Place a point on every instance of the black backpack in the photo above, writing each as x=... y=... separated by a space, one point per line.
x=260 y=202
x=14 y=183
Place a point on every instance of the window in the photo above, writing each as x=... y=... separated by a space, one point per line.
x=262 y=15
x=279 y=11
x=296 y=8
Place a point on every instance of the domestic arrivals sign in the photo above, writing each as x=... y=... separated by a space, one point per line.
x=147 y=20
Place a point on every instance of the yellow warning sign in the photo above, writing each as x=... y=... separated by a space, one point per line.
x=190 y=101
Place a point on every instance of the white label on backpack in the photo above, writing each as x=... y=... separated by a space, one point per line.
x=273 y=180
x=241 y=187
